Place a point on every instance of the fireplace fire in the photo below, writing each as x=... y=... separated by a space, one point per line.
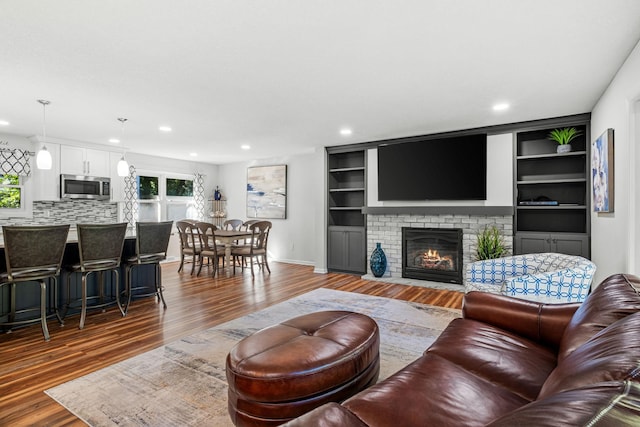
x=432 y=254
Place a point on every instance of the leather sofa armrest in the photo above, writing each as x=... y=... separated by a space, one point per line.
x=544 y=323
x=327 y=415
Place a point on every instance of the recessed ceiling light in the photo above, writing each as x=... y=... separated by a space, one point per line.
x=346 y=132
x=193 y=154
x=501 y=107
x=114 y=141
x=164 y=128
x=4 y=123
x=245 y=147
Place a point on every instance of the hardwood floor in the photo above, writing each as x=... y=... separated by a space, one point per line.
x=29 y=365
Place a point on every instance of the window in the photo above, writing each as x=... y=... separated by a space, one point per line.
x=11 y=192
x=165 y=198
x=148 y=188
x=179 y=187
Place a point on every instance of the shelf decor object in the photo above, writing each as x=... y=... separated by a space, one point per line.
x=602 y=172
x=267 y=192
x=378 y=261
x=564 y=137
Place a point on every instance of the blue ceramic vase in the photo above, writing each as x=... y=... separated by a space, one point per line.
x=378 y=261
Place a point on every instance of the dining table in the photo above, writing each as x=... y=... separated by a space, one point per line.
x=227 y=238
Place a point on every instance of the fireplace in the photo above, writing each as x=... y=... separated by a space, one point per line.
x=432 y=254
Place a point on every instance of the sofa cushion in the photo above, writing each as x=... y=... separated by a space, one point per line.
x=433 y=391
x=506 y=359
x=613 y=354
x=604 y=404
x=616 y=297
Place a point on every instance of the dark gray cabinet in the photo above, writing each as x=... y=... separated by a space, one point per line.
x=552 y=192
x=347 y=247
x=565 y=243
x=346 y=223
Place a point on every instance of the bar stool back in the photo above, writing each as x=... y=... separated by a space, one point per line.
x=100 y=247
x=152 y=241
x=33 y=254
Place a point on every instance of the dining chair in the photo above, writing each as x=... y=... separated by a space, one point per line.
x=257 y=248
x=190 y=244
x=152 y=241
x=232 y=224
x=210 y=249
x=100 y=248
x=33 y=254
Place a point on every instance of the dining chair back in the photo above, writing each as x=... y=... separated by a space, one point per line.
x=152 y=241
x=257 y=247
x=232 y=224
x=210 y=249
x=33 y=253
x=190 y=244
x=100 y=248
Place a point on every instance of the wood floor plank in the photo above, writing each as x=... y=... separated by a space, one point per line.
x=29 y=365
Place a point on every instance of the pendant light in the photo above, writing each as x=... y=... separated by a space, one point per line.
x=43 y=159
x=123 y=166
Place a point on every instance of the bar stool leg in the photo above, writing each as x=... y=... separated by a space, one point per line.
x=55 y=301
x=117 y=290
x=83 y=300
x=43 y=309
x=159 y=284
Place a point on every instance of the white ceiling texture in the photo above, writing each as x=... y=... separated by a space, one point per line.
x=285 y=76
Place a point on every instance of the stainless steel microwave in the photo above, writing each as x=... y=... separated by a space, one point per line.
x=85 y=187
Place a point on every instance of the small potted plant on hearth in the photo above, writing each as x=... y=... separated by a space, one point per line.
x=490 y=244
x=564 y=137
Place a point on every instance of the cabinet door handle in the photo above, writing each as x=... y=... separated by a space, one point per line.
x=548 y=240
x=555 y=240
x=88 y=167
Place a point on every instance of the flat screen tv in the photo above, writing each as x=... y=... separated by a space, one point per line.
x=452 y=168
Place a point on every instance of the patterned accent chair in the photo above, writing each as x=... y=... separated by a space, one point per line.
x=543 y=277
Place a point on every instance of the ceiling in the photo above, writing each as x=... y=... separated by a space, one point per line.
x=284 y=76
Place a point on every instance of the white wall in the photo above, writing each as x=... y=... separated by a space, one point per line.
x=499 y=178
x=614 y=236
x=300 y=238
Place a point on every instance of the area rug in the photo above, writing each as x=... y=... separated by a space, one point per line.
x=183 y=383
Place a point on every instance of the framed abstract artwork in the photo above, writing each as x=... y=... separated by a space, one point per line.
x=602 y=172
x=267 y=192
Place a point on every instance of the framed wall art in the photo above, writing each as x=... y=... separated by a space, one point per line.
x=267 y=192
x=602 y=172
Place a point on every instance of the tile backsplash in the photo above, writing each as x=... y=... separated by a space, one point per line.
x=68 y=212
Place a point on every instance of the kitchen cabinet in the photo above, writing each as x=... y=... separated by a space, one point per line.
x=83 y=161
x=46 y=182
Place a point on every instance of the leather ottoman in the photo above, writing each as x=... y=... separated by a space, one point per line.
x=286 y=370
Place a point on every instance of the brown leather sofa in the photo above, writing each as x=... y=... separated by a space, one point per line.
x=511 y=362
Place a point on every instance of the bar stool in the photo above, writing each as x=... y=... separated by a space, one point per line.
x=100 y=247
x=152 y=241
x=33 y=254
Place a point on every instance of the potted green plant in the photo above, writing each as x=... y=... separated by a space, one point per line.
x=490 y=244
x=564 y=137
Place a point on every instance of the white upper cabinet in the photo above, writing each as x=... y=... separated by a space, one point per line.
x=83 y=161
x=46 y=182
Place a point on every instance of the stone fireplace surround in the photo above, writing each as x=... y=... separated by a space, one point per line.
x=384 y=225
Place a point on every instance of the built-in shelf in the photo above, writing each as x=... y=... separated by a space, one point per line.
x=346 y=245
x=438 y=210
x=552 y=155
x=542 y=174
